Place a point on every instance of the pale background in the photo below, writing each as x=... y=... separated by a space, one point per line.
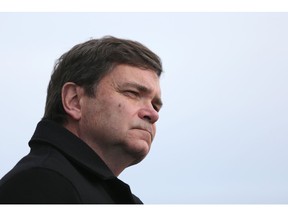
x=223 y=131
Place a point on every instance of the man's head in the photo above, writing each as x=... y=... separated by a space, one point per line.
x=86 y=64
x=107 y=92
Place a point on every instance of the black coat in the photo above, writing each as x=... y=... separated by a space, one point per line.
x=61 y=168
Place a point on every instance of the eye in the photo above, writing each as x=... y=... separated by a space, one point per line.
x=155 y=107
x=132 y=93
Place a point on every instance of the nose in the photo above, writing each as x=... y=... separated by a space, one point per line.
x=149 y=114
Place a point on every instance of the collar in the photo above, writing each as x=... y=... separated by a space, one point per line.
x=70 y=145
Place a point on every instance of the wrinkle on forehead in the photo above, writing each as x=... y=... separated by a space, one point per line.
x=122 y=74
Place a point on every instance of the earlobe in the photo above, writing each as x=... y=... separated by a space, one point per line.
x=71 y=100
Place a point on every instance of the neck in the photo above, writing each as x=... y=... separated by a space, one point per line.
x=115 y=159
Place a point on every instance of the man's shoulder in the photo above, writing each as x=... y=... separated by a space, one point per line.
x=44 y=171
x=37 y=185
x=43 y=157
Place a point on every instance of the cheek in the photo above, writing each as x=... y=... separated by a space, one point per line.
x=114 y=114
x=121 y=109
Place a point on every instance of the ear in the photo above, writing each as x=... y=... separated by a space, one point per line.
x=71 y=94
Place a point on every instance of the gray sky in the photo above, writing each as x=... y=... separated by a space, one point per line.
x=223 y=131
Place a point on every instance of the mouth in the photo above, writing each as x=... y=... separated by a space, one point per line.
x=147 y=130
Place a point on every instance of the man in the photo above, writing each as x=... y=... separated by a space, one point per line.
x=102 y=104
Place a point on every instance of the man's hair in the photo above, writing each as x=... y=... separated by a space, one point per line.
x=86 y=63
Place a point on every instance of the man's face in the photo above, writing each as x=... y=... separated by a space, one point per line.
x=122 y=115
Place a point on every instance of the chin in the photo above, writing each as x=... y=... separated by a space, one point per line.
x=137 y=160
x=139 y=151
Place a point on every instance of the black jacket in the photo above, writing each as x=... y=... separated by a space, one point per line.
x=61 y=168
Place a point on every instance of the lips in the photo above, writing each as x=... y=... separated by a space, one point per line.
x=147 y=129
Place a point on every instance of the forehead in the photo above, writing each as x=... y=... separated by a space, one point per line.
x=123 y=74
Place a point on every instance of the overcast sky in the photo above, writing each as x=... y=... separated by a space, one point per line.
x=223 y=131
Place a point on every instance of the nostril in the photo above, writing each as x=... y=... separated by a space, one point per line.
x=147 y=118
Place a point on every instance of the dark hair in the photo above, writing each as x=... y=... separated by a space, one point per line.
x=86 y=63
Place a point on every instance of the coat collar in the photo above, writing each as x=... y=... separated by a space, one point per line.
x=70 y=145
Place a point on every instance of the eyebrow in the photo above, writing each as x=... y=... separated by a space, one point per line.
x=143 y=89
